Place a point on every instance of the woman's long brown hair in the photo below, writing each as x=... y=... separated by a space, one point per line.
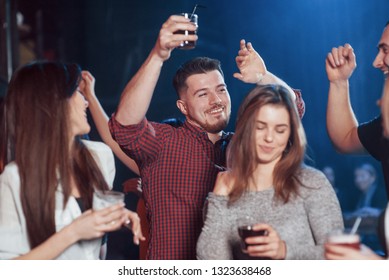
x=242 y=155
x=38 y=129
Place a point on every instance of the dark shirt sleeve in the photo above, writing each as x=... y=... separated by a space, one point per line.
x=370 y=135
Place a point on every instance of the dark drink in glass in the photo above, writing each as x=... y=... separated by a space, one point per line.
x=187 y=45
x=247 y=231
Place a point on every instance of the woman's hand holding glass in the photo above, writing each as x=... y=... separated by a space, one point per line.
x=266 y=246
x=95 y=223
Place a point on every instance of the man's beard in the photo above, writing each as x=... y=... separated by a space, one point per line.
x=216 y=127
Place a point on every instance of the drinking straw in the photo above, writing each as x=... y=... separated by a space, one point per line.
x=194 y=9
x=356 y=225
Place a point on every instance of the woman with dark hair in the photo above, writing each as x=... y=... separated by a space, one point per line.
x=293 y=204
x=46 y=189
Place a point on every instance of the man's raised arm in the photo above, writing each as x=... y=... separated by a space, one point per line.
x=342 y=124
x=137 y=94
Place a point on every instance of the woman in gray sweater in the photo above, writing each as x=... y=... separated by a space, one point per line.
x=294 y=204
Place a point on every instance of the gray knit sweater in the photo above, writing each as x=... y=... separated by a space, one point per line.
x=302 y=223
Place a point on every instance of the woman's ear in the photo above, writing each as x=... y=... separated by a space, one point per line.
x=181 y=105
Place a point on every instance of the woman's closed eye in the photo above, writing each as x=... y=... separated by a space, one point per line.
x=281 y=131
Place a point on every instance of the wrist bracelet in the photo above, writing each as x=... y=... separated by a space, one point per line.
x=260 y=78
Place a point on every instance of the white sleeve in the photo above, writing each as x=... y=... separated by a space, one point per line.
x=13 y=232
x=104 y=158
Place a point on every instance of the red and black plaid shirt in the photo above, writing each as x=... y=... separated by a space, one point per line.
x=178 y=168
x=299 y=103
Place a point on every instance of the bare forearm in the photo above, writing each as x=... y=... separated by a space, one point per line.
x=270 y=78
x=136 y=97
x=100 y=119
x=342 y=124
x=52 y=247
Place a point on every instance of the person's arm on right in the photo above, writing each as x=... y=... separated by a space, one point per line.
x=342 y=125
x=136 y=97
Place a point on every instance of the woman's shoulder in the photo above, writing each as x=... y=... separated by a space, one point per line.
x=95 y=145
x=224 y=183
x=10 y=171
x=98 y=149
x=10 y=177
x=312 y=177
x=309 y=172
x=104 y=158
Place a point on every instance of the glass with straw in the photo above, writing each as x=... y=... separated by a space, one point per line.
x=187 y=45
x=347 y=237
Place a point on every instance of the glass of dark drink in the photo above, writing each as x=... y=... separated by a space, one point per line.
x=187 y=45
x=245 y=230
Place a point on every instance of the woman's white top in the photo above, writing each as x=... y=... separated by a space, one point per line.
x=13 y=231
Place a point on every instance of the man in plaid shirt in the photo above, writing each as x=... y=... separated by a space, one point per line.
x=179 y=166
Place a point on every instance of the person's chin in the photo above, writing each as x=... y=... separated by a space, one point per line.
x=220 y=125
x=84 y=131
